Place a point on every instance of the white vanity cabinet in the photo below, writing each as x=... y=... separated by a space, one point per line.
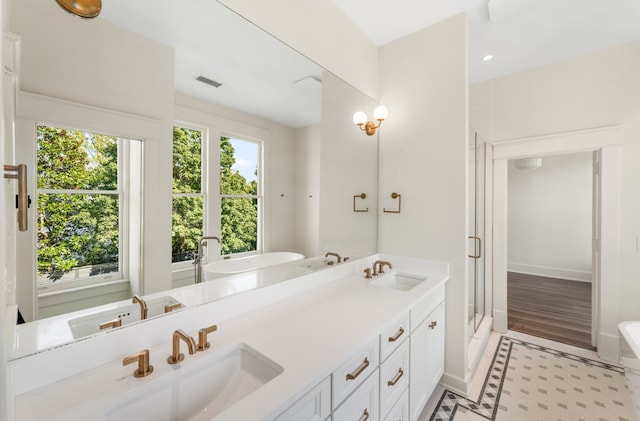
x=394 y=378
x=427 y=359
x=314 y=406
x=362 y=404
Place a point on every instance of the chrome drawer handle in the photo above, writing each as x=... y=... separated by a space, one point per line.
x=363 y=366
x=365 y=415
x=396 y=336
x=396 y=379
x=433 y=325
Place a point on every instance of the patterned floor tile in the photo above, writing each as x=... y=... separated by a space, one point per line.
x=532 y=382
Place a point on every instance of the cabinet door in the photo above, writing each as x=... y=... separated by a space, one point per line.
x=426 y=360
x=314 y=406
x=435 y=348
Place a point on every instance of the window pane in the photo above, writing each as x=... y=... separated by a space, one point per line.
x=187 y=160
x=186 y=228
x=73 y=159
x=239 y=225
x=238 y=167
x=77 y=236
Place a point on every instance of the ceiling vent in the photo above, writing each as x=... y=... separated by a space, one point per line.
x=208 y=81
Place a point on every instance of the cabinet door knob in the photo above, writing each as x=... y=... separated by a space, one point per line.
x=433 y=325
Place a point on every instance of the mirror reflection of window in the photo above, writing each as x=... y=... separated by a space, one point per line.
x=81 y=201
x=240 y=191
x=189 y=199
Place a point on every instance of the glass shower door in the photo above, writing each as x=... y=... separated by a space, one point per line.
x=477 y=167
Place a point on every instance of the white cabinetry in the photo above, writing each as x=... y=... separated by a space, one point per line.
x=427 y=359
x=362 y=404
x=394 y=378
x=314 y=406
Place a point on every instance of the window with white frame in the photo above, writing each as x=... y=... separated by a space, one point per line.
x=189 y=194
x=240 y=195
x=82 y=207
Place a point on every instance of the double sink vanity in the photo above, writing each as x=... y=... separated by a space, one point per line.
x=327 y=345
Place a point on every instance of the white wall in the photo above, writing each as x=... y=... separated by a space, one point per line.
x=594 y=90
x=549 y=226
x=423 y=156
x=348 y=167
x=320 y=31
x=307 y=218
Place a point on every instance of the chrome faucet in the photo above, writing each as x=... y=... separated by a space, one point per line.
x=336 y=255
x=144 y=310
x=378 y=266
x=176 y=356
x=198 y=260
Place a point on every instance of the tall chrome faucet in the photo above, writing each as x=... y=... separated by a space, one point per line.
x=198 y=260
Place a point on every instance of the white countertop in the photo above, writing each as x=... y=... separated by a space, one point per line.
x=308 y=334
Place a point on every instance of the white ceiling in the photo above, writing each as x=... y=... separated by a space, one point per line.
x=520 y=34
x=259 y=73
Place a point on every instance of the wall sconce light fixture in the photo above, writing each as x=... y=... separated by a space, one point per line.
x=82 y=8
x=369 y=127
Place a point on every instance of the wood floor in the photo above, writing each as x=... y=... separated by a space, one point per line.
x=549 y=308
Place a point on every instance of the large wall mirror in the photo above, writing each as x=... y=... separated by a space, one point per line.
x=132 y=73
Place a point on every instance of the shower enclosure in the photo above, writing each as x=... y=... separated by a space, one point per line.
x=476 y=282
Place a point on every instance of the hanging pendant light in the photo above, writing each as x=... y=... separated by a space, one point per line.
x=83 y=8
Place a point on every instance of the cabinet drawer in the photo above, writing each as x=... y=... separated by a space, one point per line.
x=347 y=377
x=394 y=377
x=362 y=405
x=392 y=337
x=314 y=406
x=400 y=411
x=426 y=305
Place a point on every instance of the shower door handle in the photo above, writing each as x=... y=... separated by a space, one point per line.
x=479 y=247
x=19 y=172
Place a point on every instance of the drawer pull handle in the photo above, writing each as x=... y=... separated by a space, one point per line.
x=365 y=415
x=396 y=379
x=363 y=366
x=396 y=336
x=433 y=325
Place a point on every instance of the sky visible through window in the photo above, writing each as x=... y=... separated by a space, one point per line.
x=246 y=154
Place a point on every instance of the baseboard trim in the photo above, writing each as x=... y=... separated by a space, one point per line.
x=559 y=273
x=608 y=347
x=455 y=384
x=500 y=323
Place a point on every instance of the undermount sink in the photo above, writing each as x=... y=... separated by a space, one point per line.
x=316 y=263
x=198 y=391
x=399 y=281
x=90 y=324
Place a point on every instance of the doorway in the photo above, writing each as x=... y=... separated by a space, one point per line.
x=549 y=248
x=606 y=282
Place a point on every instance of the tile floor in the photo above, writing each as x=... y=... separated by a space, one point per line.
x=545 y=380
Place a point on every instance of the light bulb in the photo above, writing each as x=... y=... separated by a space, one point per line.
x=360 y=118
x=380 y=113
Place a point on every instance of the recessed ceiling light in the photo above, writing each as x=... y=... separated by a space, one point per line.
x=487 y=57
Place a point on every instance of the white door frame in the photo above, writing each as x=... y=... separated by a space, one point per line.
x=608 y=141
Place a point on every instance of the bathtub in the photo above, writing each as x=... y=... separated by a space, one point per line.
x=630 y=359
x=228 y=267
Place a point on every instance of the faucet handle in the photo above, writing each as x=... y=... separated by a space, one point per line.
x=367 y=273
x=170 y=307
x=117 y=322
x=202 y=337
x=142 y=357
